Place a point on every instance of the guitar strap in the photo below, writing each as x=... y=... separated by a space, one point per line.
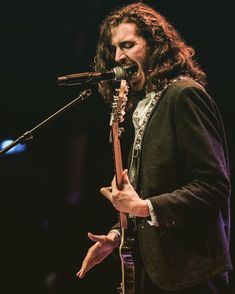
x=134 y=166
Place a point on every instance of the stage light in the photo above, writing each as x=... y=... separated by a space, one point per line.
x=16 y=149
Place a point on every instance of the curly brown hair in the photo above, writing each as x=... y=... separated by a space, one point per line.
x=169 y=55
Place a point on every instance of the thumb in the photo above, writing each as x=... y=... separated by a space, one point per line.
x=96 y=238
x=125 y=177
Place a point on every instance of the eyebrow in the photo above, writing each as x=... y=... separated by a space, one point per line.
x=122 y=43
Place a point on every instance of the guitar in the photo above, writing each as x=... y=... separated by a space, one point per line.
x=127 y=285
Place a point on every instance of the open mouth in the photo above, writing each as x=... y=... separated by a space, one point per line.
x=135 y=76
x=131 y=70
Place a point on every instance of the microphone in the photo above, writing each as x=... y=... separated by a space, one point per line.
x=117 y=73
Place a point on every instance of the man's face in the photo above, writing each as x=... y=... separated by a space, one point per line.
x=130 y=49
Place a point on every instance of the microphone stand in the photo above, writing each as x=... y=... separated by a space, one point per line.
x=28 y=135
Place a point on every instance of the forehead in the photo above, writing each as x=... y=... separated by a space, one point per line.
x=123 y=32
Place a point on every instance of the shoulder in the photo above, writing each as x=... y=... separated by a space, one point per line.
x=183 y=85
x=187 y=90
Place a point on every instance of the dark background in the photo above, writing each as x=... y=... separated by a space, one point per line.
x=49 y=195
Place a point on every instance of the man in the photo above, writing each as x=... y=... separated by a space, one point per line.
x=177 y=186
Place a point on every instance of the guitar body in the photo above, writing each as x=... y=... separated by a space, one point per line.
x=127 y=263
x=127 y=285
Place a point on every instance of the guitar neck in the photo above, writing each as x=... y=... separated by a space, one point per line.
x=118 y=168
x=117 y=156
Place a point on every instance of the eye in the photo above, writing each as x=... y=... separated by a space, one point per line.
x=127 y=45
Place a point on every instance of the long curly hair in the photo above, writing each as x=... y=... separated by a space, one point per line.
x=169 y=55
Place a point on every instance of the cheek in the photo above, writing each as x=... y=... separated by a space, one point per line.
x=138 y=55
x=141 y=53
x=141 y=57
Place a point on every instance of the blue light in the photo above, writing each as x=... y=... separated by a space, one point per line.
x=16 y=149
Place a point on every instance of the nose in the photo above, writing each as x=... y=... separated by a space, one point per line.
x=120 y=56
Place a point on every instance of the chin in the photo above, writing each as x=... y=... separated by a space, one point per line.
x=137 y=84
